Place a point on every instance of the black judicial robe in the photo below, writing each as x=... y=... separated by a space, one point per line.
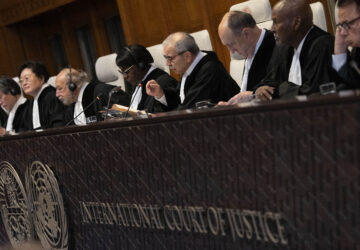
x=49 y=109
x=208 y=81
x=261 y=60
x=349 y=76
x=315 y=61
x=3 y=118
x=88 y=97
x=166 y=82
x=19 y=122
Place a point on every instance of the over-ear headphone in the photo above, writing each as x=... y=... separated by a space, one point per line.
x=141 y=65
x=72 y=86
x=13 y=91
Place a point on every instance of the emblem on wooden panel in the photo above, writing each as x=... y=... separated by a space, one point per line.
x=47 y=206
x=14 y=206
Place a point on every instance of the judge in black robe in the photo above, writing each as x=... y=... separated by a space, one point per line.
x=315 y=62
x=33 y=77
x=89 y=103
x=134 y=63
x=306 y=64
x=209 y=81
x=80 y=92
x=13 y=101
x=348 y=35
x=239 y=32
x=49 y=109
x=203 y=76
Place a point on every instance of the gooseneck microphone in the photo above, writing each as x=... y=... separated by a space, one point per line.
x=132 y=99
x=355 y=66
x=114 y=90
x=97 y=98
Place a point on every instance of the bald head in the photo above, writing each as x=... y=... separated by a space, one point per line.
x=295 y=17
x=297 y=8
x=182 y=42
x=236 y=21
x=239 y=33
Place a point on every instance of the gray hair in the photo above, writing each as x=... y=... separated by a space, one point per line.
x=182 y=42
x=78 y=77
x=239 y=20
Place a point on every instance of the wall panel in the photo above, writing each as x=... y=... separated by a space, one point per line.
x=144 y=22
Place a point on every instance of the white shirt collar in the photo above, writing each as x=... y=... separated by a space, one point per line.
x=152 y=68
x=249 y=61
x=299 y=48
x=79 y=109
x=41 y=90
x=197 y=59
x=259 y=42
x=81 y=93
x=9 y=126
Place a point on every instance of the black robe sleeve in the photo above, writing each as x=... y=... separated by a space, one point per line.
x=20 y=118
x=3 y=118
x=167 y=84
x=208 y=81
x=316 y=66
x=49 y=108
x=349 y=76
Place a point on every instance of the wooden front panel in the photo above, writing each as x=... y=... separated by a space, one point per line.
x=298 y=160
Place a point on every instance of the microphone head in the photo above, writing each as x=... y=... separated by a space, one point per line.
x=140 y=84
x=116 y=89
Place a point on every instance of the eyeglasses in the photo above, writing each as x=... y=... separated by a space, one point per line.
x=171 y=58
x=126 y=71
x=347 y=24
x=26 y=78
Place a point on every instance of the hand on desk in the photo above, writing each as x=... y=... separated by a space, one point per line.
x=264 y=93
x=2 y=131
x=245 y=96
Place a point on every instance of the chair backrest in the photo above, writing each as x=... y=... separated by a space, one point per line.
x=261 y=12
x=259 y=9
x=51 y=81
x=336 y=11
x=319 y=15
x=107 y=71
x=202 y=38
x=157 y=53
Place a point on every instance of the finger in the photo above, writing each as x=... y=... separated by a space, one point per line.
x=268 y=94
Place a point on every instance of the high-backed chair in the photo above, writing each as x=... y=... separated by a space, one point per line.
x=157 y=53
x=51 y=81
x=107 y=71
x=261 y=11
x=319 y=15
x=203 y=40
